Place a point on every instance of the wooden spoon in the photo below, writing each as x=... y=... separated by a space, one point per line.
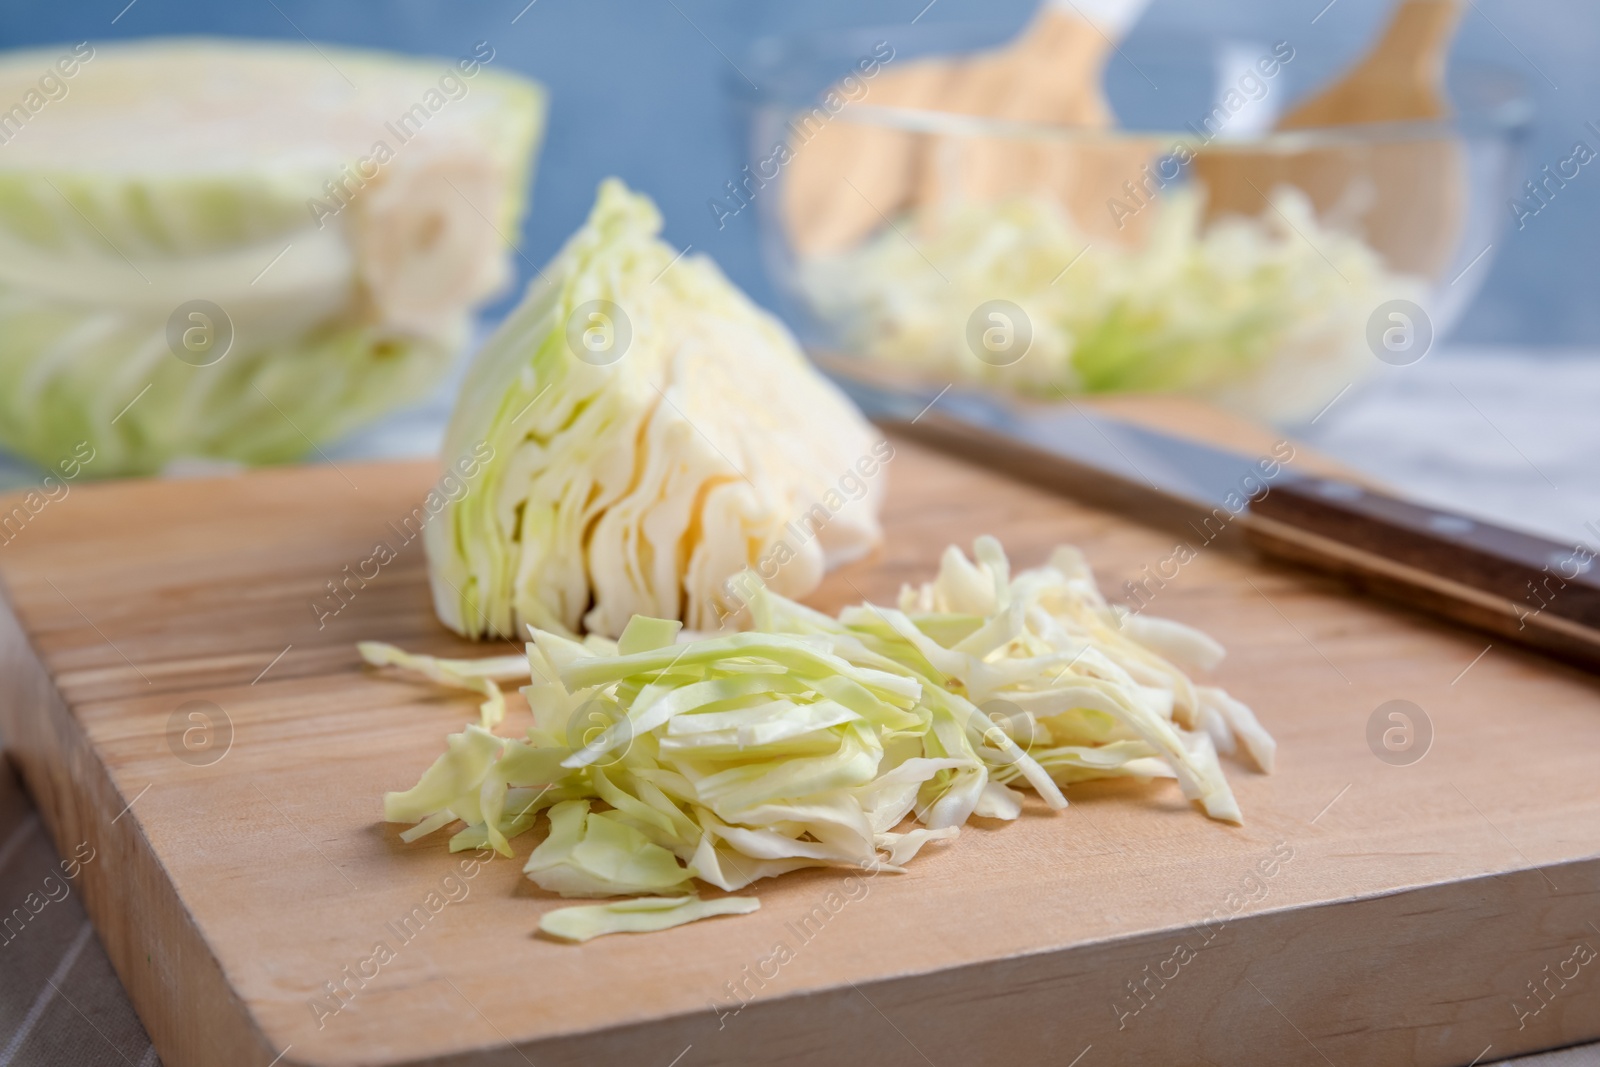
x=1400 y=79
x=1409 y=193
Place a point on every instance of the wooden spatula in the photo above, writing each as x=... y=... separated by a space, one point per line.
x=847 y=178
x=1409 y=192
x=1052 y=74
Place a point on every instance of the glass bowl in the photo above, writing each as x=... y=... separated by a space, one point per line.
x=1189 y=248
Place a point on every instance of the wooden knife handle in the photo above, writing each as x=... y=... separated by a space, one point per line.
x=1525 y=589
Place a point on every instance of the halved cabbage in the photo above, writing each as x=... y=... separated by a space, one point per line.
x=339 y=213
x=812 y=740
x=653 y=434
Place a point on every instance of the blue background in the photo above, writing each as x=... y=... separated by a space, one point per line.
x=640 y=90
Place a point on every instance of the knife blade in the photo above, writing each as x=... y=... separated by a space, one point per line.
x=1535 y=592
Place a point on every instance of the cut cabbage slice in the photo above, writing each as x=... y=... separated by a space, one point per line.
x=654 y=434
x=599 y=853
x=452 y=783
x=340 y=213
x=638 y=916
x=476 y=674
x=813 y=740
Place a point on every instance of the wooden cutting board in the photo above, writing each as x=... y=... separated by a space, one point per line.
x=1365 y=913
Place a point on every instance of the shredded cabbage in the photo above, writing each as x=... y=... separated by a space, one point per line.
x=1267 y=315
x=332 y=216
x=811 y=740
x=652 y=434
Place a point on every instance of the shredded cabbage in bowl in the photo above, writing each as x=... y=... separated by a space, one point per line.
x=1266 y=316
x=812 y=740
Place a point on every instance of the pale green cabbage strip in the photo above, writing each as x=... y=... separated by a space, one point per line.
x=477 y=674
x=818 y=741
x=1267 y=316
x=638 y=916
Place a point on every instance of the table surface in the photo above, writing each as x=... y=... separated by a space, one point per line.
x=1475 y=430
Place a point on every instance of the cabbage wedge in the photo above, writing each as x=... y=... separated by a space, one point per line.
x=653 y=435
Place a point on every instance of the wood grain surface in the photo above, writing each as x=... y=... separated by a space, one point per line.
x=1369 y=911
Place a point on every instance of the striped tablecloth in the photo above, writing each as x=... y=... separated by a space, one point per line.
x=1493 y=432
x=60 y=1003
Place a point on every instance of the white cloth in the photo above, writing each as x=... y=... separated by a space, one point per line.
x=1509 y=436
